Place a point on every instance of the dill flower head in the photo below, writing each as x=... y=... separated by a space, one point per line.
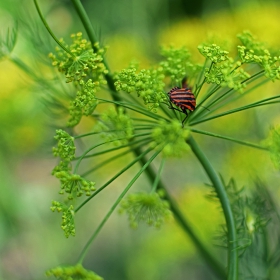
x=145 y=207
x=170 y=138
x=73 y=272
x=147 y=83
x=68 y=223
x=84 y=102
x=80 y=61
x=74 y=184
x=115 y=126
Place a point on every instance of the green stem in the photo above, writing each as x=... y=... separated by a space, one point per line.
x=49 y=30
x=109 y=160
x=229 y=138
x=91 y=35
x=86 y=248
x=230 y=222
x=158 y=175
x=205 y=253
x=246 y=107
x=139 y=158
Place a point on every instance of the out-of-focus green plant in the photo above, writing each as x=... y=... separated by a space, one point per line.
x=137 y=114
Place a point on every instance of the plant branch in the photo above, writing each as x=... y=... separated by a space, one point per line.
x=49 y=30
x=230 y=222
x=229 y=138
x=249 y=106
x=91 y=35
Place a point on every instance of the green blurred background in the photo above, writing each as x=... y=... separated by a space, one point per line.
x=30 y=237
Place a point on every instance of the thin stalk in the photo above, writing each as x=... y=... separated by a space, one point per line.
x=109 y=160
x=224 y=200
x=250 y=79
x=131 y=143
x=98 y=145
x=135 y=108
x=235 y=98
x=229 y=138
x=210 y=93
x=86 y=248
x=198 y=87
x=157 y=179
x=91 y=35
x=114 y=178
x=204 y=252
x=249 y=106
x=50 y=31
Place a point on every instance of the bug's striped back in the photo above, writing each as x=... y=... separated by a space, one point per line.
x=183 y=98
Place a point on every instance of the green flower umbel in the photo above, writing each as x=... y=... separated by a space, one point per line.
x=146 y=207
x=68 y=223
x=170 y=138
x=73 y=272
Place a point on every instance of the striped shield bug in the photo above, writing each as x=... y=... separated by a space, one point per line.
x=183 y=98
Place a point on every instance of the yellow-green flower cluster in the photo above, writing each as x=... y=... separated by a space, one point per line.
x=170 y=138
x=227 y=74
x=81 y=61
x=213 y=52
x=148 y=84
x=74 y=184
x=177 y=64
x=68 y=224
x=116 y=126
x=65 y=150
x=253 y=51
x=146 y=207
x=73 y=272
x=84 y=103
x=223 y=71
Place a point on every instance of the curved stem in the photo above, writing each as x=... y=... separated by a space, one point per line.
x=215 y=266
x=230 y=222
x=91 y=35
x=49 y=30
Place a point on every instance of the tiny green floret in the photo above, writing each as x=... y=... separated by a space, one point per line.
x=83 y=62
x=72 y=272
x=68 y=223
x=85 y=101
x=213 y=52
x=65 y=150
x=74 y=184
x=115 y=126
x=146 y=207
x=148 y=84
x=253 y=51
x=65 y=147
x=176 y=64
x=170 y=138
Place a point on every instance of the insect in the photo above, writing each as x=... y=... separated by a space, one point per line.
x=183 y=98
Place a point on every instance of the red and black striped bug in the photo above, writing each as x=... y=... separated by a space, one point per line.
x=183 y=98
